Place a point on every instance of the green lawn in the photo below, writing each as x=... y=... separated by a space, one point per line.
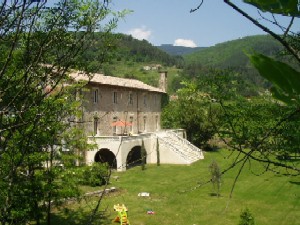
x=272 y=199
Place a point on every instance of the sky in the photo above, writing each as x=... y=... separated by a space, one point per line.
x=170 y=21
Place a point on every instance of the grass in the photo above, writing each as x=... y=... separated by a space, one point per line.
x=271 y=198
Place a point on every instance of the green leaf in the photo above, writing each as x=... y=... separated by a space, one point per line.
x=284 y=7
x=285 y=79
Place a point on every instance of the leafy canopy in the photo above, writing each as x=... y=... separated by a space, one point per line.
x=284 y=7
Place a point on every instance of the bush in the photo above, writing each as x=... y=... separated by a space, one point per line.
x=95 y=175
x=246 y=218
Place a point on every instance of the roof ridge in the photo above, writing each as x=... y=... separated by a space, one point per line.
x=113 y=81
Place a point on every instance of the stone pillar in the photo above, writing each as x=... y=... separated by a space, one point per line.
x=163 y=81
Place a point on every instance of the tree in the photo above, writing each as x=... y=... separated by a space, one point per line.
x=39 y=45
x=245 y=127
x=196 y=116
x=216 y=175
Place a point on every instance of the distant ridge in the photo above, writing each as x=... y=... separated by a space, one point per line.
x=231 y=54
x=178 y=50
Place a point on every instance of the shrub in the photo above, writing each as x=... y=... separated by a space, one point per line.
x=246 y=218
x=96 y=175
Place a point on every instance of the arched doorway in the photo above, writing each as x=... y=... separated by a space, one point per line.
x=105 y=155
x=134 y=157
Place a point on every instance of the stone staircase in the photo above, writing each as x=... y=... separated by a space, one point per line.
x=186 y=150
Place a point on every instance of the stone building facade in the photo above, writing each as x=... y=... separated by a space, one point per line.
x=122 y=115
x=108 y=100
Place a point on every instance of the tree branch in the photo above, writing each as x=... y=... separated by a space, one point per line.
x=198 y=7
x=276 y=36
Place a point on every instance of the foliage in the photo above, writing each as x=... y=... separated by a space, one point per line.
x=260 y=128
x=130 y=49
x=195 y=118
x=178 y=50
x=126 y=50
x=39 y=45
x=246 y=218
x=232 y=55
x=95 y=175
x=285 y=79
x=284 y=7
x=244 y=126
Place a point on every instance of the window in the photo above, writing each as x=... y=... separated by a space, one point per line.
x=115 y=97
x=96 y=95
x=130 y=98
x=96 y=125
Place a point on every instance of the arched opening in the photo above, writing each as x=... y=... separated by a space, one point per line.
x=134 y=157
x=105 y=155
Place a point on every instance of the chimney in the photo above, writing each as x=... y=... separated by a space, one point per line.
x=163 y=80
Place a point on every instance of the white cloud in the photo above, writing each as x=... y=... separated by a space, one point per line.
x=140 y=33
x=185 y=43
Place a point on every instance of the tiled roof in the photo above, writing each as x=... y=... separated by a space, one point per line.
x=114 y=81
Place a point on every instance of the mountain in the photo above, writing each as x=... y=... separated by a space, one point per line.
x=232 y=57
x=142 y=51
x=232 y=54
x=140 y=60
x=178 y=50
x=131 y=58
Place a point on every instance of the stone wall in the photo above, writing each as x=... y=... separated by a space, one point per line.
x=104 y=105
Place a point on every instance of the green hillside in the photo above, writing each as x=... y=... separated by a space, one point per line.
x=135 y=59
x=232 y=53
x=131 y=58
x=178 y=50
x=232 y=56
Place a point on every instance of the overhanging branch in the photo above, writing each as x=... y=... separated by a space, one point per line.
x=276 y=36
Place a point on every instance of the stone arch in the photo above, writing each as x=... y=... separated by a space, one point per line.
x=134 y=157
x=105 y=155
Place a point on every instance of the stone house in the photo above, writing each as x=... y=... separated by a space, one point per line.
x=122 y=115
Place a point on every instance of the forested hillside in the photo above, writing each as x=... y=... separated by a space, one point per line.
x=178 y=50
x=140 y=60
x=232 y=56
x=131 y=49
x=233 y=53
x=131 y=58
x=127 y=49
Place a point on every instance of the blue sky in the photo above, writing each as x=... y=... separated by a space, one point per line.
x=170 y=21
